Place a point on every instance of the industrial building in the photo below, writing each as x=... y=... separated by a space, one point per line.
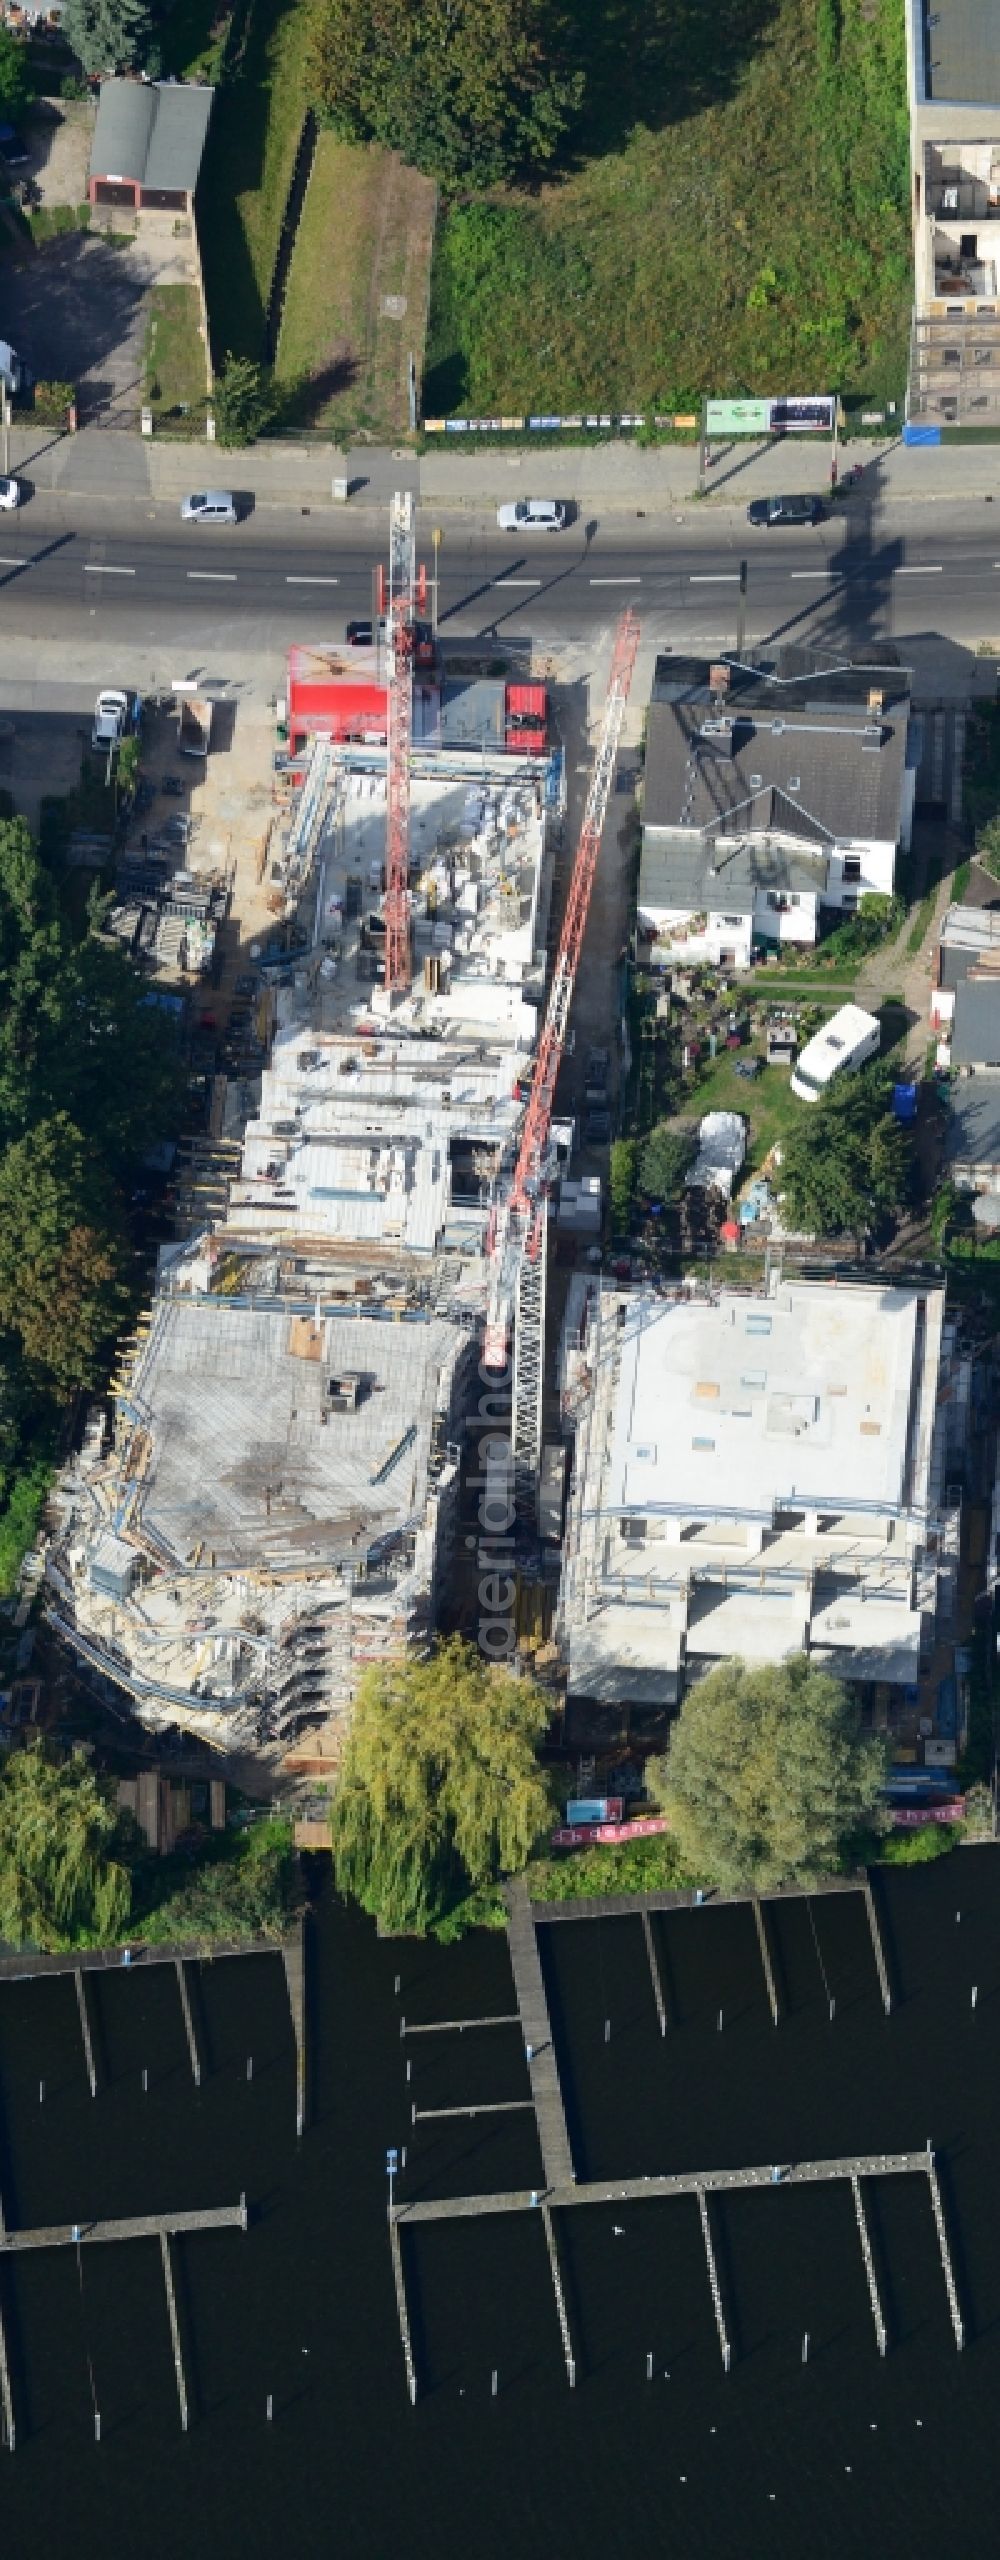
x=761 y=1475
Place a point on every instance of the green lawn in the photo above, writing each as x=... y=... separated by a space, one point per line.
x=174 y=360
x=364 y=238
x=736 y=220
x=768 y=1103
x=192 y=37
x=250 y=155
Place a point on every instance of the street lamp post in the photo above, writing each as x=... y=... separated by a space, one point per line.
x=436 y=540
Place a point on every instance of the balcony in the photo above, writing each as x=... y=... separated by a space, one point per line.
x=955 y=197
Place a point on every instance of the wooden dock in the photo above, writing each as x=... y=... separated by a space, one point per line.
x=186 y=2013
x=655 y=1975
x=175 y=2334
x=536 y=2028
x=455 y=2026
x=684 y=2182
x=948 y=2271
x=88 y=2041
x=399 y=2281
x=293 y=1956
x=6 y=2400
x=866 y=2252
x=557 y=2287
x=881 y=1967
x=763 y=1942
x=140 y=2226
x=713 y=2278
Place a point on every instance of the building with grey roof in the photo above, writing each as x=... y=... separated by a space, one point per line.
x=148 y=143
x=759 y=812
x=975 y=1031
x=953 y=62
x=974 y=1133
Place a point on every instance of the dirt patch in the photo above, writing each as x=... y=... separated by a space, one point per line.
x=357 y=296
x=59 y=144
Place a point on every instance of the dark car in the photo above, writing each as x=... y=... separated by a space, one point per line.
x=13 y=147
x=785 y=511
x=597 y=1128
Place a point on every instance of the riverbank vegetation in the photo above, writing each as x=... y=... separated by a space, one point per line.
x=769 y=1779
x=76 y=1872
x=441 y=1795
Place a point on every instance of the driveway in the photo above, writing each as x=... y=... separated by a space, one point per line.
x=75 y=312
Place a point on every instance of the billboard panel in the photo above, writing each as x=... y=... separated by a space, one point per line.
x=807 y=413
x=737 y=417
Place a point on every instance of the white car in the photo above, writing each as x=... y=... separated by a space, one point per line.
x=10 y=493
x=110 y=719
x=533 y=515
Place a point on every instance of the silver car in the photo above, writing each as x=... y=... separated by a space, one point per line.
x=533 y=515
x=212 y=506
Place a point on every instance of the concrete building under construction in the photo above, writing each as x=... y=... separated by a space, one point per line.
x=759 y=1475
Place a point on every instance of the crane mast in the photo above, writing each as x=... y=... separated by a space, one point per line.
x=401 y=609
x=516 y=1248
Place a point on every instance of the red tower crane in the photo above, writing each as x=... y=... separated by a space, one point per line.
x=407 y=593
x=517 y=1244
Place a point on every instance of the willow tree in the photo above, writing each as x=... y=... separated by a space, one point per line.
x=60 y=1883
x=768 y=1774
x=440 y=1792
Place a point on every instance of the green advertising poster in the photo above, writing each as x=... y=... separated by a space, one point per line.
x=737 y=417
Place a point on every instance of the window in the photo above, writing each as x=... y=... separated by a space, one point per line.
x=699 y=1443
x=852 y=866
x=757 y=1324
x=733 y=921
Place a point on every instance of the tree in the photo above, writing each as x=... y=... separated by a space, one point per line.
x=244 y=400
x=767 y=1776
x=440 y=1791
x=621 y=1181
x=62 y=1288
x=60 y=1882
x=109 y=35
x=469 y=90
x=665 y=1159
x=846 y=1162
x=17 y=88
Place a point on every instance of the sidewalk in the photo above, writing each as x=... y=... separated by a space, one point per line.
x=108 y=462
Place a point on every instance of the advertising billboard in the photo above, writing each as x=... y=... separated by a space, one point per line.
x=737 y=417
x=801 y=413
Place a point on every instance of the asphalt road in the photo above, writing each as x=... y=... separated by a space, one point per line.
x=135 y=570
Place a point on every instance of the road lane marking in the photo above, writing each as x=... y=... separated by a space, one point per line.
x=815 y=573
x=713 y=577
x=517 y=582
x=616 y=582
x=921 y=569
x=292 y=580
x=19 y=563
x=106 y=569
x=228 y=576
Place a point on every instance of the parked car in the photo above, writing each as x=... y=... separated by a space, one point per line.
x=795 y=510
x=210 y=506
x=116 y=715
x=11 y=493
x=13 y=147
x=533 y=515
x=597 y=1129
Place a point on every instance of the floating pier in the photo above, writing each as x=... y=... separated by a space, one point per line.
x=685 y=2182
x=455 y=2026
x=713 y=2276
x=949 y=2273
x=487 y=2107
x=140 y=2226
x=866 y=2252
x=6 y=2401
x=770 y=1985
x=294 y=1960
x=88 y=2042
x=879 y=1951
x=175 y=2334
x=557 y=2287
x=536 y=2028
x=192 y=2041
x=404 y=2317
x=654 y=1971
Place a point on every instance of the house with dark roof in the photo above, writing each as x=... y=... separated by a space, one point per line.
x=770 y=796
x=148 y=143
x=972 y=1048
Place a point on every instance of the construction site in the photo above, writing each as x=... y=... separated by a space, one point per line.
x=272 y=1500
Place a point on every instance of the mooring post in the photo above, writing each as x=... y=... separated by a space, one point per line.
x=88 y=2046
x=192 y=2041
x=654 y=1972
x=175 y=2335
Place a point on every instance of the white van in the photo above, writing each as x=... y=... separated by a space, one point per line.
x=849 y=1039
